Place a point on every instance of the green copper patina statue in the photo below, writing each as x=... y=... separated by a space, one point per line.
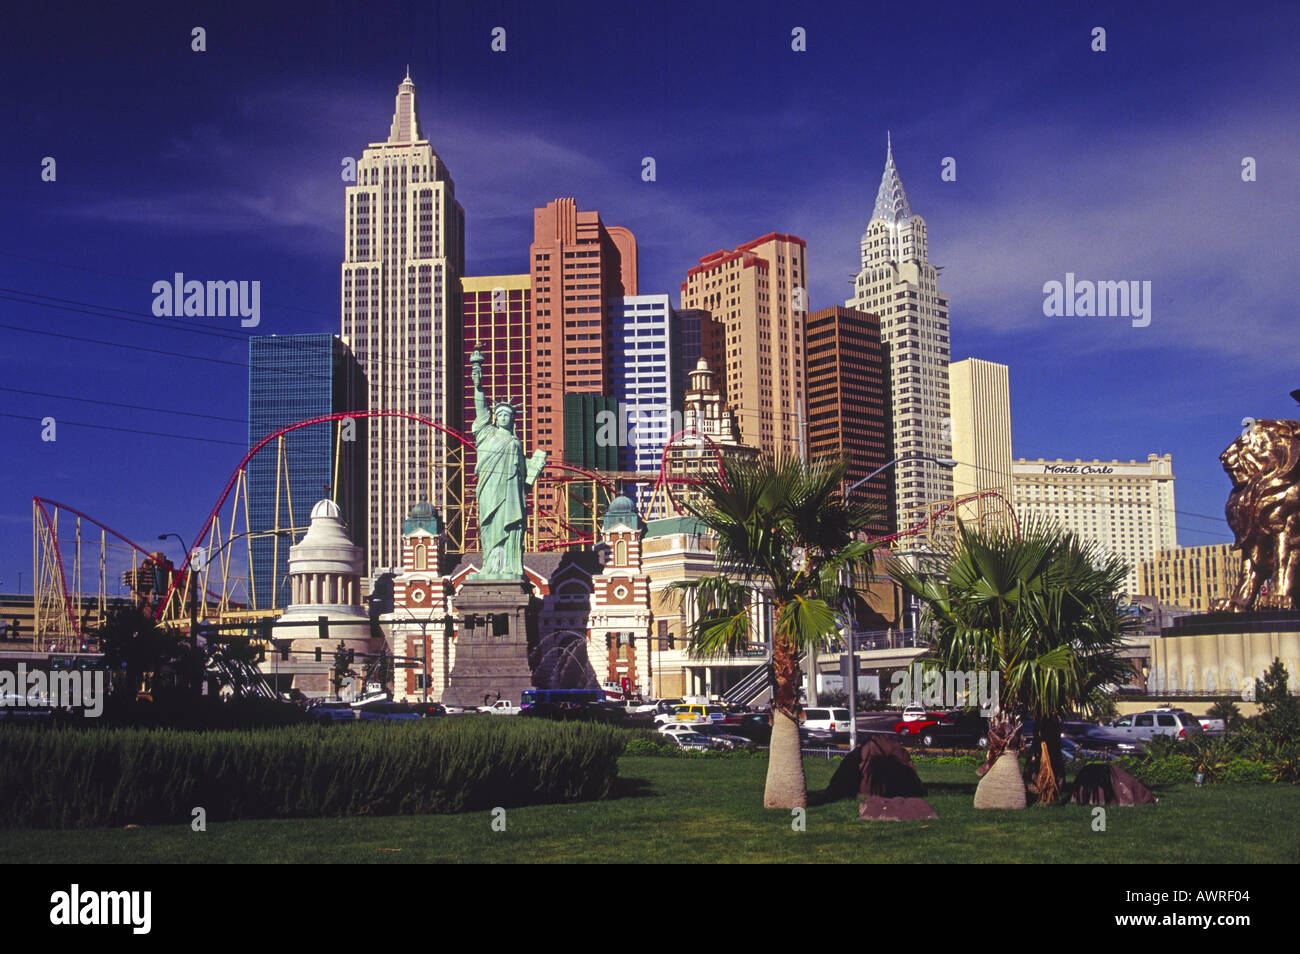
x=504 y=477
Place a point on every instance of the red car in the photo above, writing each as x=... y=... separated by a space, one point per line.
x=915 y=725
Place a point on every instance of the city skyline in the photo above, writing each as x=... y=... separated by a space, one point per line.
x=99 y=236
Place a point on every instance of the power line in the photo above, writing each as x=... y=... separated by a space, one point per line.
x=119 y=344
x=105 y=311
x=133 y=278
x=125 y=430
x=134 y=407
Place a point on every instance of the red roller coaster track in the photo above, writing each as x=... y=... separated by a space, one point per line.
x=663 y=481
x=41 y=504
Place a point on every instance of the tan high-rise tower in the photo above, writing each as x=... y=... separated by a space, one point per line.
x=898 y=283
x=577 y=265
x=981 y=427
x=758 y=292
x=403 y=260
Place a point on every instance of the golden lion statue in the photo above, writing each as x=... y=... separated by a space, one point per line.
x=1263 y=511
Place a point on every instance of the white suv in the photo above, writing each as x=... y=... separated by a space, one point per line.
x=832 y=720
x=1143 y=726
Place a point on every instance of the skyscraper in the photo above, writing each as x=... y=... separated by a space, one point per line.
x=647 y=380
x=498 y=317
x=759 y=294
x=404 y=255
x=292 y=378
x=981 y=431
x=1126 y=507
x=577 y=264
x=898 y=283
x=1194 y=577
x=847 y=410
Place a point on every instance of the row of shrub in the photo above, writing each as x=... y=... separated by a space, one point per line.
x=1247 y=755
x=656 y=745
x=72 y=778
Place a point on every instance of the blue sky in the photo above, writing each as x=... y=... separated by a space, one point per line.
x=1122 y=165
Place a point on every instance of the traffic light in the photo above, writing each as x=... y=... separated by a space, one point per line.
x=323 y=627
x=318 y=654
x=284 y=651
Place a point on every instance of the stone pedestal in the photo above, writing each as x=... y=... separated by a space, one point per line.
x=497 y=619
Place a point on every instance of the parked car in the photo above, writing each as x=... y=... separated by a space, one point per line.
x=701 y=713
x=914 y=725
x=1144 y=726
x=387 y=712
x=676 y=728
x=835 y=720
x=668 y=714
x=915 y=714
x=332 y=712
x=809 y=736
x=1212 y=726
x=18 y=708
x=720 y=733
x=692 y=740
x=1087 y=737
x=753 y=726
x=957 y=729
x=501 y=707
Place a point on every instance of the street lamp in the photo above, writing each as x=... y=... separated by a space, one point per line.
x=851 y=669
x=947 y=462
x=185 y=549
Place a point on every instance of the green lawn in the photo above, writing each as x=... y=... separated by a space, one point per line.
x=710 y=810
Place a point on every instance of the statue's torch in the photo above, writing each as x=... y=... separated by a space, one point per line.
x=476 y=360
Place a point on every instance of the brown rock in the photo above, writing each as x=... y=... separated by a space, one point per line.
x=880 y=766
x=1108 y=785
x=875 y=808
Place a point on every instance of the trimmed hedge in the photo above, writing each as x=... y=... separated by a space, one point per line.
x=654 y=745
x=74 y=778
x=1172 y=769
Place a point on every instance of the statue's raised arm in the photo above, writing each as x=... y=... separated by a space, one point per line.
x=482 y=411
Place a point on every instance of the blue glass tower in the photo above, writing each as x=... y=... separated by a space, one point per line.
x=292 y=378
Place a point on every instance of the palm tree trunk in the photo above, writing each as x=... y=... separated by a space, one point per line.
x=1051 y=767
x=1004 y=735
x=786 y=786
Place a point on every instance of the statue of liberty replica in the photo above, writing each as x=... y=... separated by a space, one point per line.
x=496 y=613
x=504 y=478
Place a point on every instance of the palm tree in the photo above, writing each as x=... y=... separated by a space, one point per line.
x=1038 y=607
x=783 y=526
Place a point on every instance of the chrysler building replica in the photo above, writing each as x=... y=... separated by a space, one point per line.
x=898 y=283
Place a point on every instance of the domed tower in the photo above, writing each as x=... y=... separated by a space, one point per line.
x=325 y=581
x=418 y=625
x=620 y=603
